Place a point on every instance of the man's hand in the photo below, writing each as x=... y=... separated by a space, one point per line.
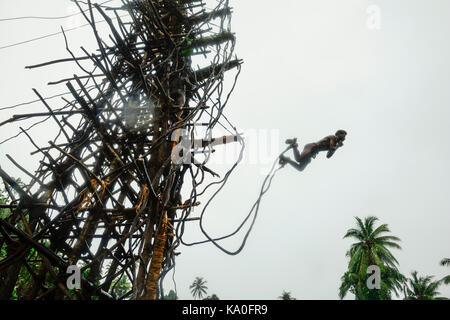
x=330 y=153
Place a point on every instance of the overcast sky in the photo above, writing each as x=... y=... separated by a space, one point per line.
x=311 y=67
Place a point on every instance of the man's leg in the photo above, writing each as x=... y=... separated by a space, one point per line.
x=307 y=152
x=300 y=166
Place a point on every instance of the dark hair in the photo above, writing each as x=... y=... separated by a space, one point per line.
x=339 y=132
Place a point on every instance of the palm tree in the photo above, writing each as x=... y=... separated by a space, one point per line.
x=286 y=296
x=371 y=248
x=422 y=288
x=446 y=263
x=198 y=288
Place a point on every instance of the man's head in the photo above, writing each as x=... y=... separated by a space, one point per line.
x=340 y=134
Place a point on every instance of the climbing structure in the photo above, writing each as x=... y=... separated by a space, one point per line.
x=106 y=196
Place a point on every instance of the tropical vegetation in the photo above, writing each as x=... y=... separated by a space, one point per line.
x=286 y=296
x=372 y=248
x=422 y=288
x=198 y=288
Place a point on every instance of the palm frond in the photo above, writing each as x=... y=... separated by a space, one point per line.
x=381 y=229
x=445 y=262
x=354 y=233
x=446 y=279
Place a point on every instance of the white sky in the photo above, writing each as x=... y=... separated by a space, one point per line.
x=311 y=67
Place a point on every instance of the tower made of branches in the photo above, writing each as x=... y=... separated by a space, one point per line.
x=106 y=196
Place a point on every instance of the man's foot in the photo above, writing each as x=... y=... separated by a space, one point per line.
x=292 y=142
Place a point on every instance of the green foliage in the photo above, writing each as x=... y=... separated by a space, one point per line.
x=371 y=248
x=446 y=263
x=3 y=200
x=423 y=288
x=286 y=296
x=198 y=288
x=3 y=214
x=171 y=296
x=188 y=51
x=391 y=282
x=25 y=279
x=3 y=251
x=120 y=287
x=212 y=297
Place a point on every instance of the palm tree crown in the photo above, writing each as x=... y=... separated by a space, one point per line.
x=371 y=248
x=198 y=288
x=422 y=288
